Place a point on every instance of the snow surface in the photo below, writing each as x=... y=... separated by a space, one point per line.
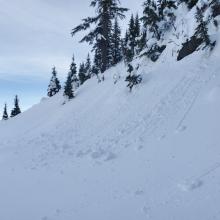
x=110 y=154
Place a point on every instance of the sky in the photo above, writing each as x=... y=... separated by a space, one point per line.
x=34 y=37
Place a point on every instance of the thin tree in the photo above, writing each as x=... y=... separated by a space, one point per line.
x=68 y=88
x=73 y=74
x=116 y=44
x=142 y=42
x=82 y=73
x=5 y=113
x=88 y=67
x=16 y=110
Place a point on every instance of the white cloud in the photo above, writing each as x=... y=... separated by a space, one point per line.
x=35 y=34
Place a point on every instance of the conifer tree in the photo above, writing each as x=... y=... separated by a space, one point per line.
x=16 y=110
x=164 y=5
x=5 y=113
x=127 y=52
x=82 y=73
x=138 y=34
x=100 y=36
x=116 y=44
x=131 y=36
x=202 y=29
x=88 y=67
x=54 y=86
x=142 y=42
x=129 y=41
x=68 y=88
x=137 y=26
x=96 y=64
x=73 y=74
x=166 y=14
x=151 y=18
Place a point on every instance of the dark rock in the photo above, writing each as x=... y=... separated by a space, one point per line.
x=189 y=47
x=216 y=10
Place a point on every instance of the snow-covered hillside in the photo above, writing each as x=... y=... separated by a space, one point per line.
x=111 y=154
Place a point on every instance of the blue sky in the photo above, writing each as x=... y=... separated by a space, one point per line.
x=35 y=36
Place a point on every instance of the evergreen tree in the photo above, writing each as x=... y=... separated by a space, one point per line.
x=166 y=14
x=5 y=113
x=54 y=86
x=96 y=64
x=100 y=36
x=202 y=29
x=137 y=26
x=127 y=52
x=88 y=67
x=151 y=18
x=130 y=41
x=131 y=36
x=68 y=88
x=82 y=73
x=116 y=44
x=16 y=110
x=142 y=41
x=138 y=34
x=73 y=75
x=164 y=5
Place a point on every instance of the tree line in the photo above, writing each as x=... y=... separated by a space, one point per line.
x=14 y=112
x=144 y=36
x=141 y=38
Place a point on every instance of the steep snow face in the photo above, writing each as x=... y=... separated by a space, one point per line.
x=111 y=154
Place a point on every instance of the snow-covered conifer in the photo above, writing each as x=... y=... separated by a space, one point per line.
x=167 y=16
x=151 y=18
x=88 y=67
x=68 y=88
x=73 y=74
x=54 y=86
x=82 y=73
x=116 y=44
x=5 y=113
x=100 y=36
x=16 y=110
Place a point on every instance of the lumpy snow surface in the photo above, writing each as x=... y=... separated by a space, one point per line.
x=109 y=154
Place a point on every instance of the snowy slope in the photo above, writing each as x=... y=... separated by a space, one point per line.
x=110 y=154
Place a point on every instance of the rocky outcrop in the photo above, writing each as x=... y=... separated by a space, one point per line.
x=216 y=10
x=189 y=47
